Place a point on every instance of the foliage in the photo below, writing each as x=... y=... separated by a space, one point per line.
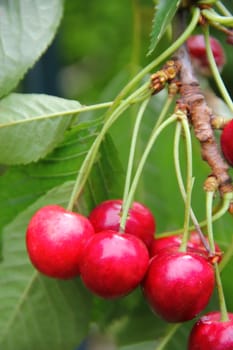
x=46 y=148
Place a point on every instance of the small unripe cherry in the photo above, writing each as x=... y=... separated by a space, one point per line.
x=197 y=50
x=226 y=141
x=55 y=240
x=113 y=264
x=140 y=221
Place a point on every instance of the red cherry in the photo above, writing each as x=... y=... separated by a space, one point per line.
x=210 y=333
x=178 y=285
x=113 y=264
x=140 y=223
x=55 y=239
x=226 y=142
x=197 y=49
x=173 y=243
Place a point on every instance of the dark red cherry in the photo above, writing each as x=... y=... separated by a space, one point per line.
x=178 y=285
x=140 y=222
x=55 y=239
x=226 y=142
x=197 y=50
x=113 y=264
x=173 y=243
x=210 y=333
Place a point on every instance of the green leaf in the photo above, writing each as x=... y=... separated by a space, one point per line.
x=39 y=312
x=32 y=125
x=26 y=30
x=22 y=185
x=164 y=13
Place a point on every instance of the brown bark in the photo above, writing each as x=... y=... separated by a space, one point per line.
x=200 y=116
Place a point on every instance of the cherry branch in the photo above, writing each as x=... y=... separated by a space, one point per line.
x=192 y=102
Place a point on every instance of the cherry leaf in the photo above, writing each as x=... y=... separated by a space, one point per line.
x=164 y=12
x=26 y=30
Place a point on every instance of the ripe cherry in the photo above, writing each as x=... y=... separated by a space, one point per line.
x=178 y=285
x=197 y=50
x=55 y=239
x=210 y=333
x=173 y=243
x=226 y=142
x=140 y=223
x=113 y=264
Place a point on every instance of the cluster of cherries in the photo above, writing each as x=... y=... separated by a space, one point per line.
x=177 y=285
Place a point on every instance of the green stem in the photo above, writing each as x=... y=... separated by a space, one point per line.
x=206 y=2
x=131 y=157
x=171 y=331
x=141 y=165
x=227 y=198
x=223 y=9
x=222 y=303
x=181 y=185
x=164 y=111
x=215 y=71
x=167 y=53
x=183 y=124
x=209 y=205
x=212 y=16
x=90 y=158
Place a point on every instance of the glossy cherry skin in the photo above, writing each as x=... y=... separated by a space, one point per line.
x=178 y=285
x=173 y=243
x=197 y=49
x=55 y=239
x=226 y=141
x=113 y=264
x=140 y=223
x=209 y=333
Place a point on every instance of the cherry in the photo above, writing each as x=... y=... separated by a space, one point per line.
x=113 y=264
x=55 y=239
x=226 y=142
x=211 y=333
x=141 y=222
x=197 y=50
x=173 y=243
x=178 y=285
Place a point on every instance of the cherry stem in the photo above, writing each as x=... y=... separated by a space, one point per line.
x=167 y=53
x=164 y=111
x=141 y=164
x=215 y=71
x=212 y=16
x=222 y=303
x=131 y=161
x=227 y=198
x=186 y=195
x=91 y=155
x=222 y=8
x=209 y=205
x=161 y=117
x=170 y=332
x=189 y=178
